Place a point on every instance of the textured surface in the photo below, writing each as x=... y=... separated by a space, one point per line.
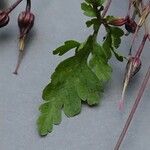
x=20 y=96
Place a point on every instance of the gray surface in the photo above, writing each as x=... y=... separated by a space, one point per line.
x=95 y=128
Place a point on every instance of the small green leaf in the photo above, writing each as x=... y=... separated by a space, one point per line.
x=88 y=10
x=93 y=22
x=116 y=34
x=68 y=45
x=112 y=42
x=89 y=23
x=115 y=31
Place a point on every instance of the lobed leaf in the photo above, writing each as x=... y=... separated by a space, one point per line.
x=68 y=45
x=72 y=82
x=88 y=10
x=112 y=42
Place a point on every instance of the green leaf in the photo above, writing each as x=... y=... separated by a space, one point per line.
x=68 y=45
x=100 y=2
x=116 y=34
x=112 y=42
x=107 y=46
x=93 y=22
x=99 y=63
x=89 y=23
x=72 y=82
x=88 y=10
x=110 y=18
x=78 y=78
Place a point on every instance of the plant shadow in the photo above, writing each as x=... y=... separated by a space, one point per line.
x=5 y=35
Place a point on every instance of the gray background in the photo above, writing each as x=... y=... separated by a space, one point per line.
x=20 y=96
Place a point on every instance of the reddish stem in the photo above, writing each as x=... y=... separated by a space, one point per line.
x=139 y=51
x=135 y=105
x=129 y=8
x=28 y=6
x=12 y=7
x=134 y=37
x=106 y=8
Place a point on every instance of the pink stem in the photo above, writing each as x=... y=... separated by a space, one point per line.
x=12 y=7
x=133 y=40
x=139 y=51
x=135 y=105
x=106 y=8
x=28 y=6
x=129 y=8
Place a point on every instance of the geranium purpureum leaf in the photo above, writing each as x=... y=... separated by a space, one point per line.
x=81 y=77
x=72 y=82
x=68 y=45
x=75 y=80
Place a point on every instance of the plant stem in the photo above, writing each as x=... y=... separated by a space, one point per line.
x=100 y=17
x=134 y=37
x=106 y=8
x=21 y=53
x=135 y=105
x=139 y=51
x=126 y=82
x=143 y=17
x=129 y=8
x=28 y=6
x=12 y=7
